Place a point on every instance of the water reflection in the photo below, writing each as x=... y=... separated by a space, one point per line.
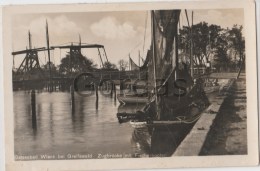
x=141 y=141
x=159 y=141
x=56 y=129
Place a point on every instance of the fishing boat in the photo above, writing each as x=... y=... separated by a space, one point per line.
x=134 y=92
x=132 y=99
x=176 y=97
x=127 y=112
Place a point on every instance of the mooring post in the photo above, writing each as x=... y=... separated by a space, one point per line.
x=49 y=88
x=96 y=89
x=33 y=100
x=121 y=87
x=54 y=85
x=72 y=98
x=59 y=85
x=111 y=92
x=33 y=108
x=114 y=88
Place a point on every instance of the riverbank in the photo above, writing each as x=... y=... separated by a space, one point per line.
x=229 y=133
x=222 y=129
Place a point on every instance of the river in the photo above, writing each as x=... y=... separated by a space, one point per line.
x=85 y=133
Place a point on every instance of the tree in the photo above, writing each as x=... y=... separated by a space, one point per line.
x=109 y=66
x=47 y=66
x=46 y=70
x=203 y=41
x=123 y=65
x=221 y=59
x=75 y=63
x=237 y=42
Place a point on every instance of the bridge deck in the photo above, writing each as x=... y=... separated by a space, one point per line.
x=116 y=76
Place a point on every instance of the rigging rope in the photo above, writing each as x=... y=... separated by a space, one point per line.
x=145 y=31
x=53 y=57
x=187 y=17
x=13 y=63
x=60 y=55
x=139 y=43
x=40 y=60
x=44 y=57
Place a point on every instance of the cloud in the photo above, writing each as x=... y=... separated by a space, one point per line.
x=61 y=30
x=110 y=28
x=62 y=25
x=224 y=18
x=59 y=25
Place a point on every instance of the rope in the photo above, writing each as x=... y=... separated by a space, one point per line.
x=134 y=48
x=183 y=21
x=13 y=63
x=53 y=57
x=192 y=120
x=187 y=17
x=40 y=60
x=44 y=57
x=145 y=30
x=60 y=54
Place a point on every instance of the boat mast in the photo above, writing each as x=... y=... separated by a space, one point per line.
x=79 y=43
x=139 y=57
x=191 y=52
x=48 y=49
x=191 y=47
x=154 y=67
x=176 y=53
x=30 y=41
x=129 y=62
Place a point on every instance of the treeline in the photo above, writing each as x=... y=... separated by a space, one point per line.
x=73 y=64
x=222 y=49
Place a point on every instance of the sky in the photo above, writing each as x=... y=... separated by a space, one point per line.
x=122 y=33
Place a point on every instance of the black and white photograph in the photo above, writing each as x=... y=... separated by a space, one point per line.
x=129 y=84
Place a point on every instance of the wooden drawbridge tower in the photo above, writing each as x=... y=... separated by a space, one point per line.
x=30 y=66
x=76 y=59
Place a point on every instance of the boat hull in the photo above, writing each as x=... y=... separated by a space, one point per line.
x=132 y=99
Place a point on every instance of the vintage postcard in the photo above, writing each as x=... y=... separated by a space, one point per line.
x=130 y=86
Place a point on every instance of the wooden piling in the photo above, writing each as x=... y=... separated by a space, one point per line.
x=72 y=98
x=52 y=86
x=111 y=92
x=33 y=101
x=33 y=109
x=96 y=89
x=59 y=85
x=114 y=88
x=121 y=87
x=55 y=86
